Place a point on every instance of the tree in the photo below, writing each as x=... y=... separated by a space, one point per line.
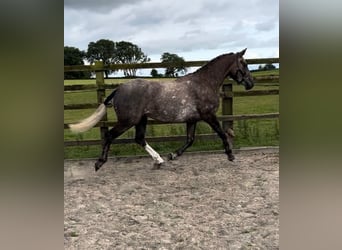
x=267 y=66
x=127 y=52
x=155 y=74
x=101 y=50
x=74 y=56
x=172 y=71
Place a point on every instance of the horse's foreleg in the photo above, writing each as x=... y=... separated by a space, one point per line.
x=190 y=137
x=140 y=130
x=215 y=125
x=109 y=137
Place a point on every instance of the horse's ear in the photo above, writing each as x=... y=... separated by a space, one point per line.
x=242 y=52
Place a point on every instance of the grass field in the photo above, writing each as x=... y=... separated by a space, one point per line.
x=248 y=133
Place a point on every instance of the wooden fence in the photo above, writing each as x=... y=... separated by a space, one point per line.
x=227 y=96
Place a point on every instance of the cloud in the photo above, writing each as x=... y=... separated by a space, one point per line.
x=266 y=25
x=175 y=26
x=98 y=5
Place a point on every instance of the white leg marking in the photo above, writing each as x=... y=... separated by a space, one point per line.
x=154 y=154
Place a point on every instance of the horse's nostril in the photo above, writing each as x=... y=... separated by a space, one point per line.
x=248 y=87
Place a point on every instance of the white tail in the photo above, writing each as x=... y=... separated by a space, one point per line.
x=89 y=122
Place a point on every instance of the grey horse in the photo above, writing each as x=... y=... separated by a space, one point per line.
x=191 y=98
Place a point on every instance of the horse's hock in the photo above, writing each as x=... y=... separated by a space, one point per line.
x=200 y=200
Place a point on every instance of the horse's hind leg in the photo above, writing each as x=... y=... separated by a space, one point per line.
x=140 y=130
x=113 y=133
x=215 y=125
x=190 y=137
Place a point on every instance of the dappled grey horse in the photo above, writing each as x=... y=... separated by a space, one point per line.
x=189 y=99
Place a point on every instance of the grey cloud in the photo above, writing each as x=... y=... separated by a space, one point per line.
x=98 y=5
x=266 y=25
x=177 y=26
x=193 y=40
x=192 y=34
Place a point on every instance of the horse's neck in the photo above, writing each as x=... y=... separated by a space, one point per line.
x=215 y=73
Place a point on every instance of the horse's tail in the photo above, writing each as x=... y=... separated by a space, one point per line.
x=93 y=119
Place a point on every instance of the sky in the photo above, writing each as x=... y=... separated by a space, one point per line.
x=192 y=29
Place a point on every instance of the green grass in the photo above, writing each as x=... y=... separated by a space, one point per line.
x=248 y=132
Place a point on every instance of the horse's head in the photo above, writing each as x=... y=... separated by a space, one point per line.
x=240 y=72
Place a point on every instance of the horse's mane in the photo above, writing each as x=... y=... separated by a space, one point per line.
x=205 y=67
x=210 y=63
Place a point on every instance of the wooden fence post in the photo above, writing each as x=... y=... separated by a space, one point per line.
x=101 y=93
x=227 y=104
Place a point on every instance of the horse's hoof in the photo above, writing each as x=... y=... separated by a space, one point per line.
x=172 y=156
x=98 y=165
x=156 y=166
x=231 y=157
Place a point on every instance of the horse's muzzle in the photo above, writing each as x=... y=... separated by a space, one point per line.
x=248 y=85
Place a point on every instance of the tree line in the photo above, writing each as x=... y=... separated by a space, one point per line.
x=110 y=52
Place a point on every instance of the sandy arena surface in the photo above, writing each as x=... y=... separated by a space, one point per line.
x=198 y=201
